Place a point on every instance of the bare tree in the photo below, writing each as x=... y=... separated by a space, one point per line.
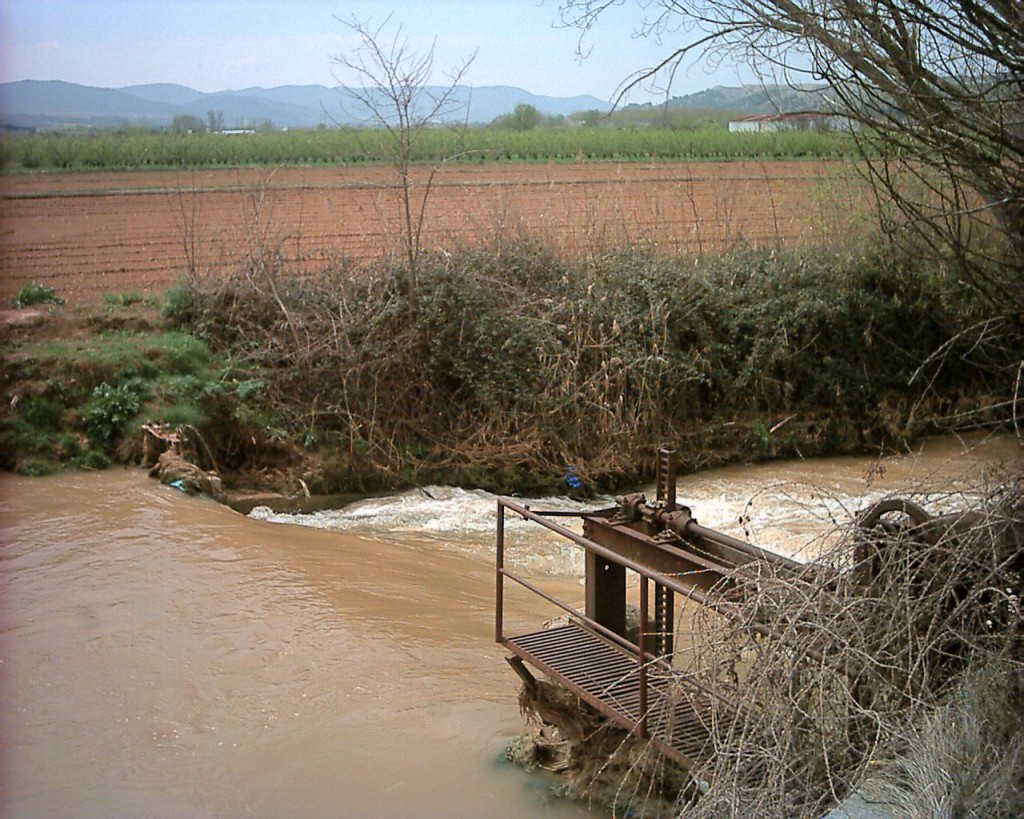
x=394 y=93
x=936 y=87
x=214 y=120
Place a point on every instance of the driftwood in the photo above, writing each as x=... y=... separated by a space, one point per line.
x=598 y=759
x=171 y=454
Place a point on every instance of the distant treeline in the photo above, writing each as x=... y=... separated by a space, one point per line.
x=129 y=149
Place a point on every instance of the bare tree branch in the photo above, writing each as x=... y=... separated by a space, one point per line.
x=937 y=87
x=394 y=93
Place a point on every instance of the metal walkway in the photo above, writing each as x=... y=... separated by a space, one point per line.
x=609 y=678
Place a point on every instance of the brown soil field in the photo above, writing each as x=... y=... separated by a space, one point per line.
x=87 y=234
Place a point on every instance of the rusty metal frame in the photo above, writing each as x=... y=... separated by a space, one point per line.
x=659 y=542
x=645 y=661
x=663 y=543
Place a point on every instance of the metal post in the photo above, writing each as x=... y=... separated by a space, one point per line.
x=499 y=578
x=642 y=645
x=606 y=593
x=664 y=619
x=666 y=478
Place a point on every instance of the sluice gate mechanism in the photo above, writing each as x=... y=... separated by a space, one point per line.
x=695 y=666
x=658 y=554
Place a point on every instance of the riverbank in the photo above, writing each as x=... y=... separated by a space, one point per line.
x=507 y=368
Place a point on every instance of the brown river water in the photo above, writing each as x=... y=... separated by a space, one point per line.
x=162 y=655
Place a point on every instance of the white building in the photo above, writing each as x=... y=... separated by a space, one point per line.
x=797 y=121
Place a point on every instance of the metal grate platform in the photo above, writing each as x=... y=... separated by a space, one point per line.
x=608 y=678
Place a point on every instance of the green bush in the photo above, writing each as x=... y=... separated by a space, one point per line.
x=37 y=467
x=92 y=459
x=797 y=331
x=184 y=400
x=110 y=410
x=19 y=439
x=178 y=305
x=513 y=362
x=35 y=293
x=42 y=411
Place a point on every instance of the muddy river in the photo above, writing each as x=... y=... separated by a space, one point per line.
x=163 y=655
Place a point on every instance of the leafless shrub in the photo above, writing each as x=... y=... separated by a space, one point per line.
x=896 y=656
x=394 y=93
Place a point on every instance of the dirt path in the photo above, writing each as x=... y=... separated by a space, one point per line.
x=92 y=233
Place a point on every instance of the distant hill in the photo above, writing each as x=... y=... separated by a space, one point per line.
x=746 y=100
x=766 y=99
x=54 y=103
x=163 y=92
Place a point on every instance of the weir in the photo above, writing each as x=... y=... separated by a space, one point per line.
x=629 y=674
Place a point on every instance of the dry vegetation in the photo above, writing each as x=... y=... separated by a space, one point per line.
x=920 y=690
x=895 y=670
x=514 y=362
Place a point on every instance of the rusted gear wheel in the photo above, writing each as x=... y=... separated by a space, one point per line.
x=880 y=525
x=879 y=516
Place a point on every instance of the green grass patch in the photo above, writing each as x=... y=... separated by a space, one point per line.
x=120 y=301
x=115 y=357
x=80 y=401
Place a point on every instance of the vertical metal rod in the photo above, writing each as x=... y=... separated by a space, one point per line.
x=667 y=478
x=664 y=619
x=499 y=577
x=670 y=480
x=642 y=645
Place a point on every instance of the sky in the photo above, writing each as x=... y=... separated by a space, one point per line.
x=216 y=45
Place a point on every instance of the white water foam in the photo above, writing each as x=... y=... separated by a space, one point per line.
x=460 y=519
x=796 y=508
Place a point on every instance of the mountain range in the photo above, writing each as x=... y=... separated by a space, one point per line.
x=32 y=104
x=54 y=103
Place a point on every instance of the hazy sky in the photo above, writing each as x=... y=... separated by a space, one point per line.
x=214 y=45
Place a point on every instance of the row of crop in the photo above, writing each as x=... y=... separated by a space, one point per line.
x=106 y=150
x=644 y=144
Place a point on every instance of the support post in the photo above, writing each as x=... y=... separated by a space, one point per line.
x=642 y=659
x=606 y=593
x=664 y=620
x=499 y=576
x=524 y=673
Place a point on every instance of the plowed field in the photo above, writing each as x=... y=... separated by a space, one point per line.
x=92 y=233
